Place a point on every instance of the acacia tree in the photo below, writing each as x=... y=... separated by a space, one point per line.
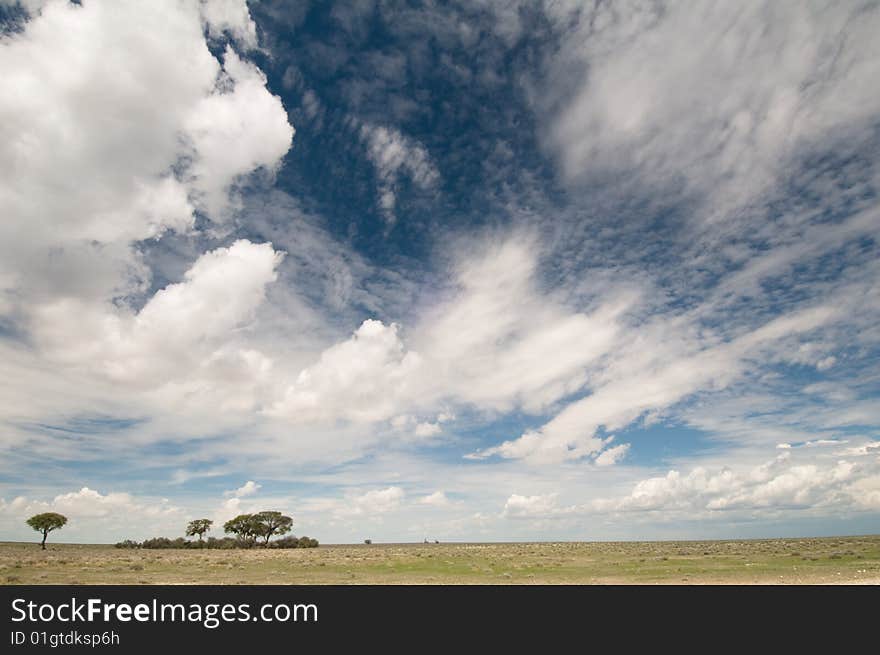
x=45 y=523
x=273 y=523
x=244 y=526
x=198 y=527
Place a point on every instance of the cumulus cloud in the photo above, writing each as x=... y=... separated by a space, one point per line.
x=780 y=483
x=230 y=17
x=409 y=425
x=530 y=506
x=228 y=509
x=107 y=140
x=234 y=132
x=869 y=448
x=436 y=499
x=427 y=429
x=494 y=342
x=90 y=503
x=361 y=379
x=249 y=488
x=185 y=331
x=113 y=515
x=376 y=501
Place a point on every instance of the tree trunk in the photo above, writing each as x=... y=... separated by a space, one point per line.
x=45 y=534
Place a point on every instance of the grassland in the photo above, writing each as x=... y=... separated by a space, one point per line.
x=836 y=560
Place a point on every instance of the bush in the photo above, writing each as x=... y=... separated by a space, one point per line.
x=225 y=543
x=161 y=543
x=294 y=542
x=165 y=542
x=128 y=543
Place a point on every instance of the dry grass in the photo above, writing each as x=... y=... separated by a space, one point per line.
x=847 y=560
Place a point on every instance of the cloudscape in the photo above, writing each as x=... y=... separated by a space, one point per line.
x=460 y=271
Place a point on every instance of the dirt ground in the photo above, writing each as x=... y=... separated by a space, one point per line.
x=834 y=560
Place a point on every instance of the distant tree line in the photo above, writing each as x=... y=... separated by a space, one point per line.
x=250 y=530
x=225 y=543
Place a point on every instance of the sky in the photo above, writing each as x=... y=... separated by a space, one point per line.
x=467 y=271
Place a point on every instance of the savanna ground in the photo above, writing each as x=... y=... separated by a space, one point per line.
x=840 y=560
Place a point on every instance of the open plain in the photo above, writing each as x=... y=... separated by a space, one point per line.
x=833 y=560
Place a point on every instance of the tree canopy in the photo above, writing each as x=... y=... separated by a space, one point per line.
x=244 y=526
x=45 y=523
x=198 y=527
x=273 y=523
x=262 y=524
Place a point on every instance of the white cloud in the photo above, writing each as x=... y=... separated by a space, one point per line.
x=826 y=363
x=870 y=448
x=235 y=132
x=427 y=429
x=30 y=6
x=90 y=503
x=114 y=515
x=408 y=426
x=499 y=342
x=669 y=91
x=227 y=510
x=376 y=501
x=611 y=456
x=495 y=342
x=232 y=17
x=362 y=379
x=249 y=488
x=105 y=140
x=636 y=383
x=69 y=123
x=393 y=154
x=436 y=499
x=185 y=331
x=780 y=483
x=530 y=506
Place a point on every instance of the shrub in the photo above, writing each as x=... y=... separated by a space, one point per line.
x=225 y=543
x=294 y=542
x=128 y=543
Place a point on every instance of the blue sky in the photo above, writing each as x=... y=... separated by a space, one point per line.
x=463 y=271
